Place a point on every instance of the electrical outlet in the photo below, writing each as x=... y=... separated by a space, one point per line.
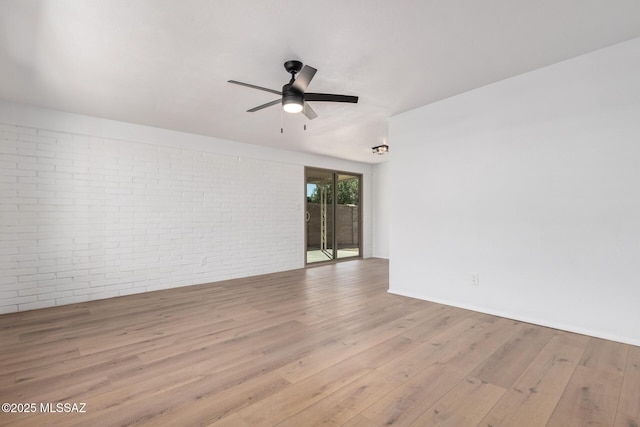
x=475 y=279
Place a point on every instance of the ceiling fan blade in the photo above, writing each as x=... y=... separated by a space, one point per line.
x=330 y=97
x=268 y=104
x=304 y=78
x=277 y=92
x=308 y=111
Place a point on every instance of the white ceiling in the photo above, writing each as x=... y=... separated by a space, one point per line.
x=166 y=63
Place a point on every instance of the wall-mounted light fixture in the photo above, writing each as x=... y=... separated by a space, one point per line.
x=380 y=149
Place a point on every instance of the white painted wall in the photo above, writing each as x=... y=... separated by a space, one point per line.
x=534 y=184
x=381 y=210
x=92 y=208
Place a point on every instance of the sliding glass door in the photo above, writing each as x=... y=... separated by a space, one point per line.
x=347 y=215
x=332 y=216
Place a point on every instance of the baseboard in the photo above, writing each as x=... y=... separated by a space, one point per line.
x=535 y=321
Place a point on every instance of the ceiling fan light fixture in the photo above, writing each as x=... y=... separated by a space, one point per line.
x=292 y=106
x=292 y=101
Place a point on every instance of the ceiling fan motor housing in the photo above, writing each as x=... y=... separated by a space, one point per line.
x=293 y=67
x=291 y=96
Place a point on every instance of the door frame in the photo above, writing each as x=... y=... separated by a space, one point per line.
x=334 y=197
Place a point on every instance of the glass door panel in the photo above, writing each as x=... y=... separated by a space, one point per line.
x=332 y=215
x=347 y=215
x=319 y=216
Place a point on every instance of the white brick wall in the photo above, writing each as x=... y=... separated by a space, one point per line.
x=84 y=218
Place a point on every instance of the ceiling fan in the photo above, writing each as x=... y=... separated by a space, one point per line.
x=294 y=99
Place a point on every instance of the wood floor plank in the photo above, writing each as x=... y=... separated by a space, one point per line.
x=326 y=344
x=208 y=408
x=345 y=403
x=232 y=420
x=299 y=396
x=481 y=346
x=449 y=365
x=506 y=364
x=628 y=414
x=360 y=421
x=114 y=398
x=31 y=388
x=377 y=355
x=406 y=403
x=315 y=387
x=591 y=397
x=347 y=346
x=465 y=405
x=448 y=343
x=536 y=392
x=446 y=318
x=213 y=358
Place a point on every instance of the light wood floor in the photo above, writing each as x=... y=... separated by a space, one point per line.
x=325 y=345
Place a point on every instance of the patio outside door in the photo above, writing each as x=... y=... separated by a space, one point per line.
x=332 y=215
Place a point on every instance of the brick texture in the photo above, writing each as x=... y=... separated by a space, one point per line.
x=84 y=218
